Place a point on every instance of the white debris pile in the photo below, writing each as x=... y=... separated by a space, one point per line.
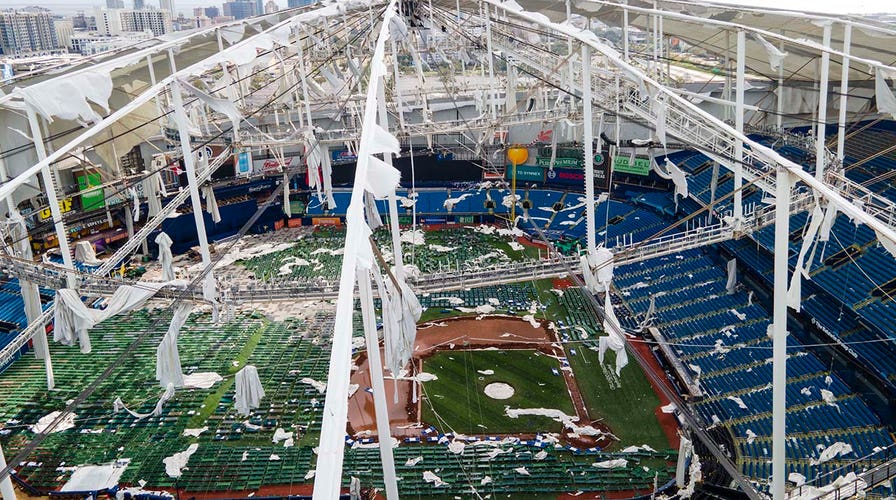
x=430 y=477
x=175 y=463
x=414 y=237
x=837 y=449
x=845 y=486
x=320 y=386
x=67 y=422
x=96 y=477
x=619 y=463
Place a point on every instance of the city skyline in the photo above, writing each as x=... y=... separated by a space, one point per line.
x=66 y=8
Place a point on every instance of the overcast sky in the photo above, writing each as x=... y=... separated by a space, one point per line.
x=66 y=7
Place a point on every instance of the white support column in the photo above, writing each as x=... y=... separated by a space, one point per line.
x=739 y=125
x=822 y=105
x=569 y=67
x=375 y=367
x=588 y=138
x=6 y=488
x=779 y=333
x=625 y=33
x=208 y=289
x=52 y=198
x=844 y=90
x=779 y=118
x=491 y=62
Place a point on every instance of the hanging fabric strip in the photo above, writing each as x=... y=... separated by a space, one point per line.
x=118 y=405
x=371 y=213
x=775 y=55
x=659 y=109
x=248 y=393
x=165 y=257
x=732 y=276
x=223 y=106
x=211 y=203
x=794 y=294
x=287 y=208
x=168 y=367
x=327 y=171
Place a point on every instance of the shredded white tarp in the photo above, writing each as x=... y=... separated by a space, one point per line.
x=96 y=477
x=846 y=486
x=451 y=202
x=430 y=477
x=614 y=339
x=739 y=402
x=118 y=405
x=194 y=432
x=732 y=276
x=86 y=253
x=659 y=108
x=617 y=463
x=211 y=203
x=223 y=106
x=69 y=98
x=801 y=269
x=175 y=463
x=248 y=390
x=72 y=319
x=201 y=380
x=796 y=478
x=401 y=310
x=413 y=461
x=320 y=386
x=166 y=259
x=168 y=368
x=886 y=101
x=67 y=422
x=775 y=55
x=837 y=449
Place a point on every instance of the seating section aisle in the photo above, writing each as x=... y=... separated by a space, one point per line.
x=723 y=341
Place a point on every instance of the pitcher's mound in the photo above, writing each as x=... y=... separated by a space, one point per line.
x=499 y=390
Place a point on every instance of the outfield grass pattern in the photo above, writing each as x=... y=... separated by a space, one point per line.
x=459 y=404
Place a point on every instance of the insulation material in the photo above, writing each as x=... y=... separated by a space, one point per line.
x=211 y=203
x=775 y=55
x=732 y=276
x=72 y=319
x=794 y=293
x=886 y=101
x=86 y=254
x=165 y=257
x=248 y=390
x=168 y=368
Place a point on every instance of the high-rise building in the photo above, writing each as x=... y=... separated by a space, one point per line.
x=157 y=21
x=169 y=6
x=27 y=32
x=212 y=12
x=108 y=21
x=259 y=7
x=240 y=9
x=299 y=3
x=64 y=32
x=139 y=4
x=114 y=4
x=271 y=7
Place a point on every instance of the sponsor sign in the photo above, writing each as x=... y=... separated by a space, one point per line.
x=294 y=222
x=244 y=163
x=559 y=162
x=434 y=220
x=492 y=176
x=525 y=173
x=326 y=221
x=91 y=198
x=622 y=165
x=576 y=177
x=464 y=219
x=343 y=156
x=273 y=165
x=64 y=206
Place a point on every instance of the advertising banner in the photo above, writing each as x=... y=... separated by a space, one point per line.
x=243 y=163
x=525 y=173
x=622 y=165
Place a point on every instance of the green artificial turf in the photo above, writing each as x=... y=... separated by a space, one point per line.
x=627 y=407
x=456 y=400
